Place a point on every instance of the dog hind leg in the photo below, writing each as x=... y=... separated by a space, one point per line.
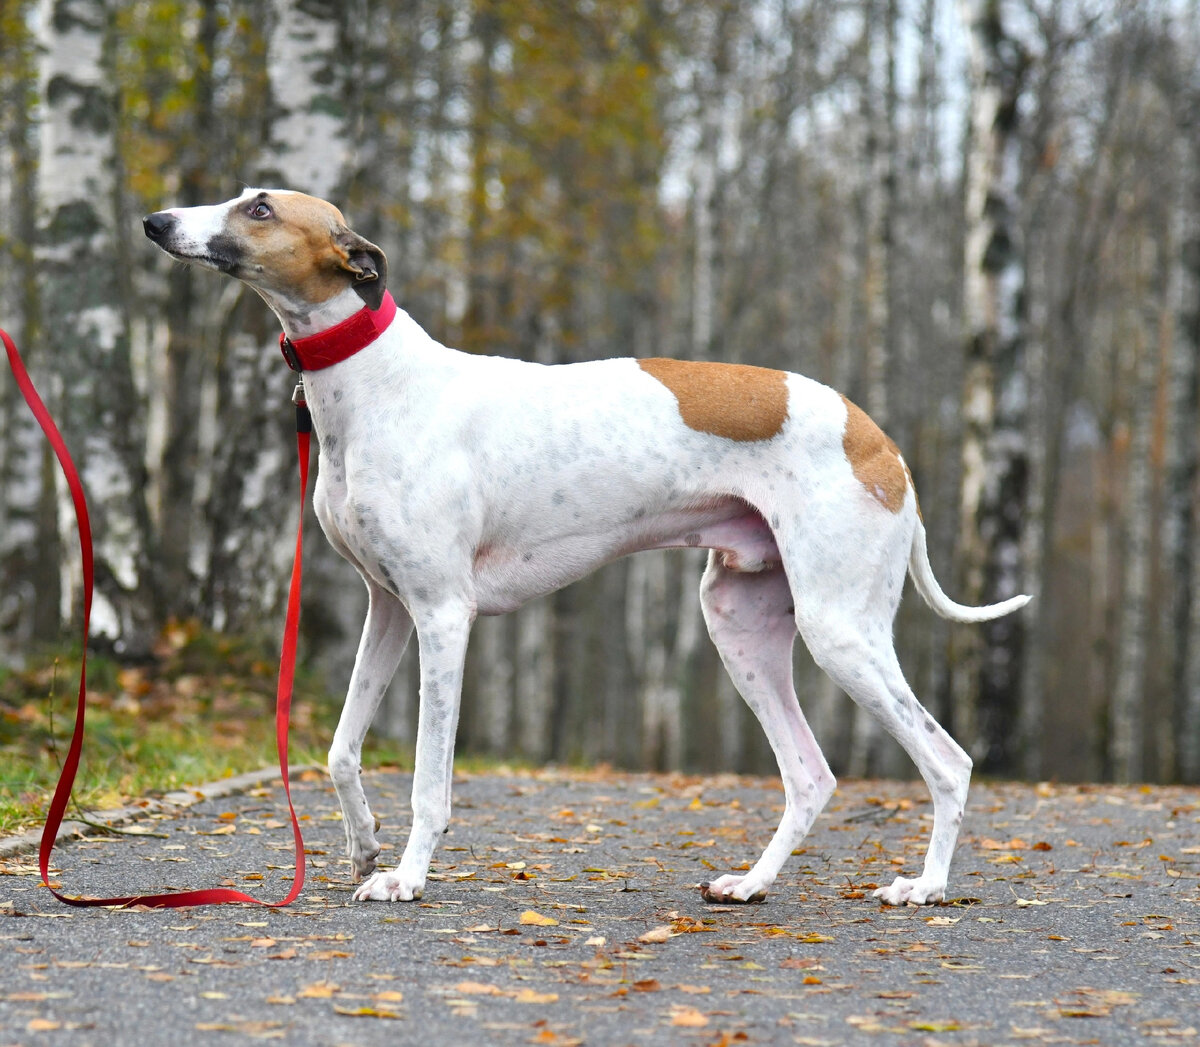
x=750 y=620
x=860 y=658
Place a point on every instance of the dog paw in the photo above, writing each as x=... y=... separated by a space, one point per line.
x=362 y=863
x=904 y=891
x=732 y=890
x=389 y=887
x=362 y=848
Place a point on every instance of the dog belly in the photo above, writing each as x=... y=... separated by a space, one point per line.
x=507 y=574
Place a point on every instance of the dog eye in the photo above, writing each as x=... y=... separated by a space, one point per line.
x=260 y=210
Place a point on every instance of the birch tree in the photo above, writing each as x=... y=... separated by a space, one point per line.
x=995 y=400
x=29 y=550
x=88 y=343
x=879 y=112
x=1184 y=536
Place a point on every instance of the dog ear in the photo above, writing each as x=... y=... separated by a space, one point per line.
x=367 y=263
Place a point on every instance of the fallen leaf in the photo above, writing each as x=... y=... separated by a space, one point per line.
x=529 y=996
x=529 y=918
x=365 y=1012
x=478 y=989
x=318 y=991
x=688 y=1017
x=658 y=934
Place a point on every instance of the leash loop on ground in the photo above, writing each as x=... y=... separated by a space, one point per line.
x=283 y=696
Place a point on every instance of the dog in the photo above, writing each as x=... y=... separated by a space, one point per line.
x=460 y=485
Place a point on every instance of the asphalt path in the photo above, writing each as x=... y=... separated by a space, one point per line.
x=564 y=909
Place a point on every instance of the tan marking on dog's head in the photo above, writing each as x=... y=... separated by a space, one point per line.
x=299 y=245
x=730 y=400
x=874 y=459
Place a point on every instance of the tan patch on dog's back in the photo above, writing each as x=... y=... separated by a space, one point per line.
x=734 y=401
x=874 y=459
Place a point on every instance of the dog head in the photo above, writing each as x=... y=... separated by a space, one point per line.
x=294 y=250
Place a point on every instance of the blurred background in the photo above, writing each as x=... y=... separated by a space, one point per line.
x=980 y=219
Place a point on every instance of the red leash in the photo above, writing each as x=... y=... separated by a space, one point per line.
x=283 y=696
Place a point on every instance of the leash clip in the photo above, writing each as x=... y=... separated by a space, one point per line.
x=303 y=417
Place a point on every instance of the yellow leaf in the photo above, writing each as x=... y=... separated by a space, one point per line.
x=529 y=996
x=688 y=1017
x=529 y=918
x=318 y=991
x=478 y=989
x=365 y=1012
x=658 y=934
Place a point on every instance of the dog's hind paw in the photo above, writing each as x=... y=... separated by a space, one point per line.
x=362 y=865
x=389 y=887
x=904 y=891
x=732 y=890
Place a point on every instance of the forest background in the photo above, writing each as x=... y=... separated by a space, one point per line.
x=978 y=219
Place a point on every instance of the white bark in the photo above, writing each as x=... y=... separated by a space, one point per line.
x=1184 y=538
x=1127 y=710
x=88 y=338
x=309 y=136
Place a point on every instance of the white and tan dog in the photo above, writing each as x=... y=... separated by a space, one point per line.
x=461 y=485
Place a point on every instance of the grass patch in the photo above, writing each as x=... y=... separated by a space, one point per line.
x=203 y=709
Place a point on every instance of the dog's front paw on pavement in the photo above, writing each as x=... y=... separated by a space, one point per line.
x=389 y=887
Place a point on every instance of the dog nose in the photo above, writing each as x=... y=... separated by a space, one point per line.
x=157 y=225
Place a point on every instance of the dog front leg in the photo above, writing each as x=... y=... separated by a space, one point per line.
x=442 y=638
x=385 y=635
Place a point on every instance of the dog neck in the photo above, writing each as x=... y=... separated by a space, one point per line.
x=338 y=342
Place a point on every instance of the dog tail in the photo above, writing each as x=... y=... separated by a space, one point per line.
x=927 y=585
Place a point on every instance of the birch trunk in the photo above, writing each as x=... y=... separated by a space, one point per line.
x=878 y=269
x=308 y=146
x=88 y=343
x=182 y=473
x=1127 y=711
x=29 y=550
x=1184 y=476
x=1178 y=531
x=985 y=671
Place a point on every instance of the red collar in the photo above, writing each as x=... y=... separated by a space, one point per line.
x=339 y=342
